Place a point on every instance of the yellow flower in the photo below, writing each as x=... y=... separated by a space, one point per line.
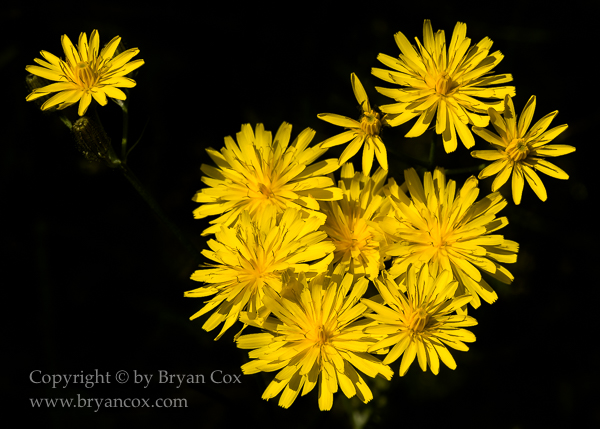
x=316 y=337
x=450 y=232
x=420 y=324
x=349 y=222
x=257 y=173
x=436 y=79
x=519 y=152
x=253 y=254
x=366 y=130
x=85 y=74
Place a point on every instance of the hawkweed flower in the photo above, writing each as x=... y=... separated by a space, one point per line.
x=349 y=221
x=448 y=230
x=254 y=254
x=421 y=322
x=519 y=151
x=85 y=74
x=259 y=172
x=436 y=79
x=364 y=131
x=317 y=337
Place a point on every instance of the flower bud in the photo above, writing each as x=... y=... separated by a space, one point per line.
x=93 y=142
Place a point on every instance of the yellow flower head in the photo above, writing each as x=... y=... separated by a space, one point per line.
x=253 y=254
x=519 y=151
x=316 y=338
x=421 y=323
x=443 y=80
x=85 y=74
x=259 y=172
x=366 y=130
x=348 y=224
x=450 y=232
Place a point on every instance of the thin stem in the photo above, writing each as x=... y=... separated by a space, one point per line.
x=140 y=138
x=432 y=151
x=158 y=211
x=124 y=107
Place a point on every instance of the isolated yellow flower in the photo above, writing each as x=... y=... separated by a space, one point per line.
x=253 y=254
x=450 y=232
x=348 y=224
x=421 y=323
x=259 y=172
x=366 y=130
x=443 y=80
x=85 y=74
x=519 y=152
x=317 y=337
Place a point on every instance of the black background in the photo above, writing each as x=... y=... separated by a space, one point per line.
x=93 y=280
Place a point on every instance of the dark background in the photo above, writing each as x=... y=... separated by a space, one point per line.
x=93 y=280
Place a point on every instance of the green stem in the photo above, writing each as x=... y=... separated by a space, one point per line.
x=124 y=107
x=432 y=151
x=158 y=211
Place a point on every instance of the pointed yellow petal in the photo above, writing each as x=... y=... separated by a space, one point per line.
x=517 y=184
x=526 y=116
x=535 y=182
x=360 y=93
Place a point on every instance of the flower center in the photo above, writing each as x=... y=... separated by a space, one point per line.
x=319 y=335
x=265 y=190
x=517 y=150
x=444 y=84
x=370 y=123
x=438 y=238
x=86 y=76
x=354 y=238
x=417 y=320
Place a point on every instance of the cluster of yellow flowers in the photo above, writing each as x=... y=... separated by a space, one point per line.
x=294 y=252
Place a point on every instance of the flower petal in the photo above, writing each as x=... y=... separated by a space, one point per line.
x=535 y=182
x=517 y=184
x=526 y=116
x=342 y=121
x=360 y=93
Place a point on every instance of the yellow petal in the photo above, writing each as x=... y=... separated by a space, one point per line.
x=113 y=92
x=517 y=184
x=502 y=177
x=381 y=152
x=535 y=182
x=422 y=123
x=488 y=155
x=46 y=73
x=342 y=121
x=449 y=135
x=526 y=116
x=338 y=139
x=70 y=51
x=408 y=358
x=62 y=97
x=352 y=148
x=127 y=68
x=100 y=97
x=109 y=50
x=549 y=169
x=555 y=150
x=83 y=47
x=489 y=136
x=360 y=93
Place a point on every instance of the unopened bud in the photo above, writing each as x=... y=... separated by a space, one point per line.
x=93 y=142
x=34 y=82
